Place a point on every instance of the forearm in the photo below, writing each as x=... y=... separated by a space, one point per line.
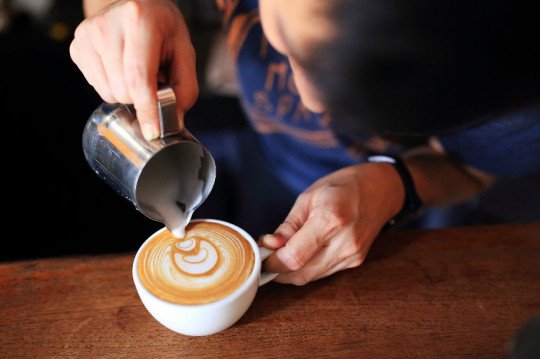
x=440 y=180
x=92 y=7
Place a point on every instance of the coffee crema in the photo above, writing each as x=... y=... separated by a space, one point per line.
x=208 y=264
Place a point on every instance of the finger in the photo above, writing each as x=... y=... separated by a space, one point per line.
x=338 y=255
x=141 y=64
x=318 y=264
x=272 y=241
x=300 y=248
x=107 y=39
x=91 y=66
x=327 y=258
x=182 y=72
x=75 y=54
x=112 y=52
x=99 y=79
x=348 y=256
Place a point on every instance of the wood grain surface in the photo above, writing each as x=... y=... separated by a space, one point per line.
x=453 y=293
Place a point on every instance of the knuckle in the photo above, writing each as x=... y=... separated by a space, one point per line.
x=101 y=26
x=331 y=220
x=188 y=49
x=104 y=93
x=195 y=91
x=293 y=261
x=120 y=92
x=321 y=240
x=288 y=226
x=123 y=98
x=303 y=197
x=79 y=30
x=191 y=96
x=109 y=98
x=339 y=217
x=299 y=279
x=356 y=261
x=132 y=10
x=73 y=51
x=353 y=250
x=106 y=96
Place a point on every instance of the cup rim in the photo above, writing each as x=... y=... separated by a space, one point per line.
x=223 y=301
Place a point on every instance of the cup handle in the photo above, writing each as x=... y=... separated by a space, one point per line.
x=266 y=276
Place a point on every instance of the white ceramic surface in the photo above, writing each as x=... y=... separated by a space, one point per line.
x=209 y=318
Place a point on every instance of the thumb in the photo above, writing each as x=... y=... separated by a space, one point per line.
x=294 y=221
x=273 y=241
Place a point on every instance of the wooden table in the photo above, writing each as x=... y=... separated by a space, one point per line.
x=459 y=292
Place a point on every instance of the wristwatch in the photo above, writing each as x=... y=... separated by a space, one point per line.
x=412 y=202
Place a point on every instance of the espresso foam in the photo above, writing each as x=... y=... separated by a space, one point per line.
x=208 y=264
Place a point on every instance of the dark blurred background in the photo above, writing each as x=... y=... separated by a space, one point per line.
x=55 y=205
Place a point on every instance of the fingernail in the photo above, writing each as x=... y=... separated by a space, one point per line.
x=270 y=240
x=149 y=132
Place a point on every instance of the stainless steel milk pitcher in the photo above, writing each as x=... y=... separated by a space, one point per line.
x=165 y=178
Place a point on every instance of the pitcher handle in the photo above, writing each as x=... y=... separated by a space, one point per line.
x=170 y=123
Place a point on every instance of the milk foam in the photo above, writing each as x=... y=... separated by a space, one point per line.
x=199 y=263
x=209 y=263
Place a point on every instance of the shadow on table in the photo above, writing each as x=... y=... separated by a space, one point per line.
x=275 y=297
x=390 y=244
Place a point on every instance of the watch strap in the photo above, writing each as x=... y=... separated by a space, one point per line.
x=412 y=202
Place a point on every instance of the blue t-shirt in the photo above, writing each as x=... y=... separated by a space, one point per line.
x=506 y=147
x=300 y=146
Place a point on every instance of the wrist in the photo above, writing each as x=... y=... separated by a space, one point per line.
x=386 y=183
x=407 y=200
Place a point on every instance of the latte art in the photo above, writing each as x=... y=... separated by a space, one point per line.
x=209 y=263
x=195 y=257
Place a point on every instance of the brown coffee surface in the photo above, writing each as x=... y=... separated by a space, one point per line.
x=208 y=264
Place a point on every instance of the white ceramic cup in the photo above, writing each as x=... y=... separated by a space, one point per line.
x=208 y=318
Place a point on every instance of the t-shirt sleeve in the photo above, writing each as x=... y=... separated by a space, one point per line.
x=505 y=147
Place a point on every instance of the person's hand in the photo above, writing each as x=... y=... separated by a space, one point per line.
x=122 y=48
x=333 y=223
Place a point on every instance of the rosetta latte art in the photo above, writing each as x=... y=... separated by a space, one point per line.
x=209 y=263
